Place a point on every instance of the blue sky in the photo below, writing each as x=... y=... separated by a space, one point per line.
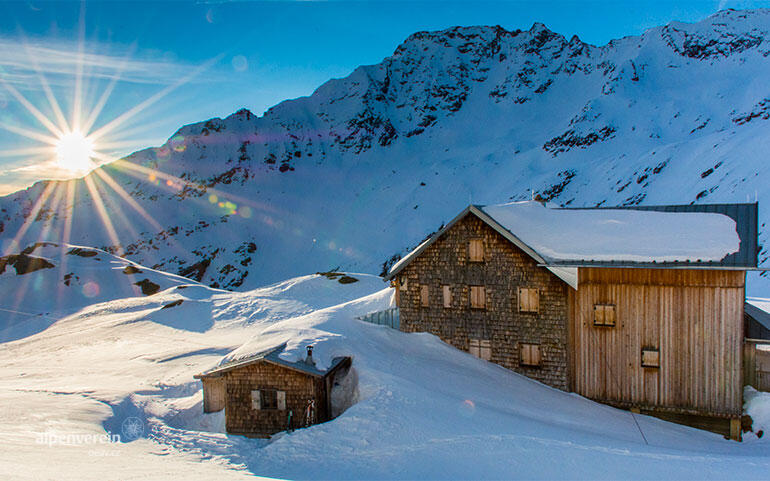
x=183 y=62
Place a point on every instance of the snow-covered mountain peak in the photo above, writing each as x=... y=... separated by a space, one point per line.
x=368 y=165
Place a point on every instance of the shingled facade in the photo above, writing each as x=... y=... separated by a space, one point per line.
x=265 y=394
x=500 y=330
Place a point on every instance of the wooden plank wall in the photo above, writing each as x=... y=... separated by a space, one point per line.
x=695 y=318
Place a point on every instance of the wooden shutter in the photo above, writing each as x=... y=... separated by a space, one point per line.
x=424 y=295
x=529 y=299
x=476 y=250
x=281 y=400
x=604 y=315
x=478 y=297
x=485 y=349
x=256 y=402
x=447 y=291
x=530 y=354
x=474 y=347
x=650 y=357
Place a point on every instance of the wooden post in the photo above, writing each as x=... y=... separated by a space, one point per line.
x=735 y=429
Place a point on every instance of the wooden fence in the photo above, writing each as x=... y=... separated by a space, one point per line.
x=756 y=364
x=388 y=317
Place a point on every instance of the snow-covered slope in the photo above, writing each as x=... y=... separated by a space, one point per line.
x=370 y=164
x=424 y=409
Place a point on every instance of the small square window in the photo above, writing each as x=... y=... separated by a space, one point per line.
x=650 y=357
x=478 y=297
x=604 y=315
x=481 y=348
x=268 y=399
x=447 y=292
x=476 y=250
x=529 y=299
x=424 y=300
x=530 y=354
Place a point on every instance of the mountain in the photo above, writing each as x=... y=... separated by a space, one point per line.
x=354 y=175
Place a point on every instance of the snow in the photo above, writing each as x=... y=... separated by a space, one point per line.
x=757 y=405
x=618 y=234
x=354 y=200
x=760 y=303
x=423 y=410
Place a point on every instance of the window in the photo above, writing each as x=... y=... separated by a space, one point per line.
x=529 y=299
x=530 y=354
x=447 y=291
x=268 y=399
x=476 y=250
x=481 y=348
x=478 y=297
x=424 y=295
x=650 y=357
x=604 y=315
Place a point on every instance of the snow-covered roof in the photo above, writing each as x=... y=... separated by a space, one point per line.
x=759 y=309
x=562 y=239
x=273 y=356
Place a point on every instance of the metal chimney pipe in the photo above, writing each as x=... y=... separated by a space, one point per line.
x=309 y=358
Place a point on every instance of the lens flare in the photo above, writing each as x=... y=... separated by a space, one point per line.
x=74 y=152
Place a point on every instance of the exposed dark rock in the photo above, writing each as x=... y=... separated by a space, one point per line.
x=24 y=264
x=77 y=251
x=172 y=304
x=148 y=287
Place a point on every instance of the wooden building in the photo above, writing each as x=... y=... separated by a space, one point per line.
x=637 y=307
x=265 y=394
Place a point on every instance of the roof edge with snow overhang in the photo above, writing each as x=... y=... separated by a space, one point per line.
x=567 y=274
x=743 y=215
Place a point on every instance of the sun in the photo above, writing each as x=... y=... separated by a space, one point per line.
x=74 y=152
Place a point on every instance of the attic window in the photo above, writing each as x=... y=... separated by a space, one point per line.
x=447 y=293
x=650 y=357
x=604 y=315
x=530 y=355
x=268 y=400
x=478 y=297
x=481 y=348
x=476 y=250
x=424 y=300
x=529 y=299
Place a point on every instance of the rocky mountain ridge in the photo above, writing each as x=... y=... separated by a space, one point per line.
x=357 y=173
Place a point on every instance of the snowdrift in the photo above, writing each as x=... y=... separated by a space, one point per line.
x=423 y=409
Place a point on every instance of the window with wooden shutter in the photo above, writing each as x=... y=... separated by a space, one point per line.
x=476 y=250
x=529 y=299
x=256 y=402
x=604 y=315
x=481 y=348
x=268 y=399
x=530 y=354
x=650 y=357
x=478 y=297
x=424 y=295
x=281 y=398
x=447 y=291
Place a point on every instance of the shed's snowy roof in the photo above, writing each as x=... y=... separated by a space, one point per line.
x=273 y=355
x=649 y=236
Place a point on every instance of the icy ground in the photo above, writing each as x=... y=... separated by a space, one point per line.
x=425 y=410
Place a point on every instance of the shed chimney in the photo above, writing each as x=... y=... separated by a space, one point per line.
x=309 y=359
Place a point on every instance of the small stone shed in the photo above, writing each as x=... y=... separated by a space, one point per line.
x=265 y=394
